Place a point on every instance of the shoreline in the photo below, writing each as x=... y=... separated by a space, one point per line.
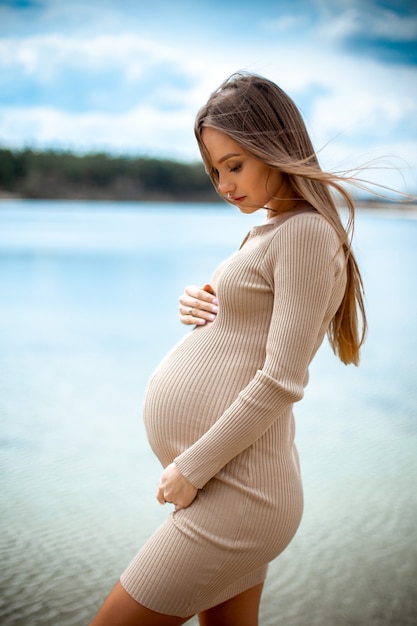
x=200 y=198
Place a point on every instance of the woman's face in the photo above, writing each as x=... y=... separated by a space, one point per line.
x=243 y=180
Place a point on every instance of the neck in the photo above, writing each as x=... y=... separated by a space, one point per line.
x=287 y=207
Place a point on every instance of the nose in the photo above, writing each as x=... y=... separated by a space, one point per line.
x=225 y=186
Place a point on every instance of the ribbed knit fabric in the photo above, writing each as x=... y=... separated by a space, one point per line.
x=220 y=406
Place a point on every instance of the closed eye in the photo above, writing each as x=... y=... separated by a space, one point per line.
x=236 y=168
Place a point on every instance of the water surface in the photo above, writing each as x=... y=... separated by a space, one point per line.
x=88 y=306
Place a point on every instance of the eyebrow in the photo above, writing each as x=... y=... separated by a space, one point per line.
x=229 y=156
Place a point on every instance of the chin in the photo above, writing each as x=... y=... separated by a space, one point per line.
x=247 y=209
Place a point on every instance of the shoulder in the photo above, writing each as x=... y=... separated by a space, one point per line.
x=305 y=240
x=308 y=221
x=310 y=227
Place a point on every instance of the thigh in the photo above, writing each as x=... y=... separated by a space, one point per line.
x=241 y=610
x=120 y=609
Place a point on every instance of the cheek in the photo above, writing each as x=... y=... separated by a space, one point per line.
x=273 y=181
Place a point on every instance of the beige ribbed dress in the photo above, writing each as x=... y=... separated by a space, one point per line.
x=220 y=405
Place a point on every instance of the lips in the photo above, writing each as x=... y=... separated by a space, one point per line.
x=238 y=199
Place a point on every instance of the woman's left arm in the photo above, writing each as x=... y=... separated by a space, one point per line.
x=305 y=264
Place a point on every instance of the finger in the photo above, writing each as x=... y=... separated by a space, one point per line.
x=195 y=294
x=194 y=306
x=198 y=306
x=196 y=298
x=184 y=501
x=160 y=496
x=187 y=318
x=207 y=294
x=189 y=295
x=196 y=315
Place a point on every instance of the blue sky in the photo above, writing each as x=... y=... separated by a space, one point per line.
x=129 y=76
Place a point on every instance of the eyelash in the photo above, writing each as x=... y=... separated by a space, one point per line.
x=232 y=170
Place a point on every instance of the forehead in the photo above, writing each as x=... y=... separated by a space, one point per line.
x=219 y=145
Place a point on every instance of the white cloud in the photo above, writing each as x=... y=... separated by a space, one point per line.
x=356 y=111
x=372 y=21
x=285 y=23
x=50 y=53
x=368 y=97
x=359 y=105
x=142 y=130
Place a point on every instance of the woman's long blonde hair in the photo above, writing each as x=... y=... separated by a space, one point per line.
x=265 y=122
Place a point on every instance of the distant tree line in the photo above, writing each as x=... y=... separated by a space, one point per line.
x=51 y=174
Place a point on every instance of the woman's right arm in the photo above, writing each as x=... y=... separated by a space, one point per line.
x=198 y=305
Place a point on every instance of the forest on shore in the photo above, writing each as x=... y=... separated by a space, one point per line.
x=98 y=176
x=57 y=175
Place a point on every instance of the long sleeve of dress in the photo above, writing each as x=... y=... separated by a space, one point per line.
x=305 y=269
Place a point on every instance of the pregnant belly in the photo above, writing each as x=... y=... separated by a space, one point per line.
x=187 y=393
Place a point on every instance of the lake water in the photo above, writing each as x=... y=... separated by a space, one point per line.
x=88 y=306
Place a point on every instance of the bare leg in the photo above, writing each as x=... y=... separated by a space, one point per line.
x=120 y=609
x=242 y=610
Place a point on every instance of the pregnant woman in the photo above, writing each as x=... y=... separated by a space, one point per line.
x=218 y=409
